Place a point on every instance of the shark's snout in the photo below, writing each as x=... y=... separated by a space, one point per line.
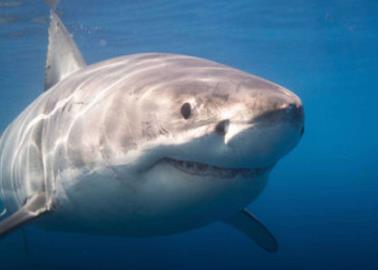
x=290 y=112
x=267 y=128
x=279 y=107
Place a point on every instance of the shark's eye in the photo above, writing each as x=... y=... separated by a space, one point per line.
x=186 y=110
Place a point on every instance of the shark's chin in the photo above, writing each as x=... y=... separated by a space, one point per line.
x=205 y=170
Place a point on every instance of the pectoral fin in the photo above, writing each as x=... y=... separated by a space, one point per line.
x=32 y=208
x=245 y=222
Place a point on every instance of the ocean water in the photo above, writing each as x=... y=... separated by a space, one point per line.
x=322 y=199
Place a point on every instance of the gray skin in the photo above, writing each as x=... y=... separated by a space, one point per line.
x=111 y=149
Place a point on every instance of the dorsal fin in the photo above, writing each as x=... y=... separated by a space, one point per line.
x=63 y=56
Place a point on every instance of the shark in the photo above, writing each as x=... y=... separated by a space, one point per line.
x=143 y=145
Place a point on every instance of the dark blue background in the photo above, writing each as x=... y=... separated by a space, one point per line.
x=322 y=199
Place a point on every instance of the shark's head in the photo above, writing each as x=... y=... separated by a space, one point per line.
x=242 y=124
x=207 y=134
x=183 y=141
x=246 y=124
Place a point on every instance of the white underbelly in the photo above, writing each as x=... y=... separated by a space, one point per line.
x=161 y=201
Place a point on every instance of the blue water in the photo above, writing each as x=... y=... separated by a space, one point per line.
x=322 y=199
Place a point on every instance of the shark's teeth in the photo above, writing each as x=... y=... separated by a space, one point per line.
x=196 y=168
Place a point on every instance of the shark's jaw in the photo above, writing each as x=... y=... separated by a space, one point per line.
x=199 y=169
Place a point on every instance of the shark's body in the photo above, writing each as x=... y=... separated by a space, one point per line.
x=144 y=144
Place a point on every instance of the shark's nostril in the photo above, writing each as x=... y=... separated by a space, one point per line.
x=295 y=111
x=293 y=108
x=222 y=126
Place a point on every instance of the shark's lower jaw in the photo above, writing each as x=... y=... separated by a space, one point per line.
x=205 y=170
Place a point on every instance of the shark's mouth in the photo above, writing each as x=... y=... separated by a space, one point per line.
x=205 y=170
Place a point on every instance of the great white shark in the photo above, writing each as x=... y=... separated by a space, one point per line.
x=144 y=144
